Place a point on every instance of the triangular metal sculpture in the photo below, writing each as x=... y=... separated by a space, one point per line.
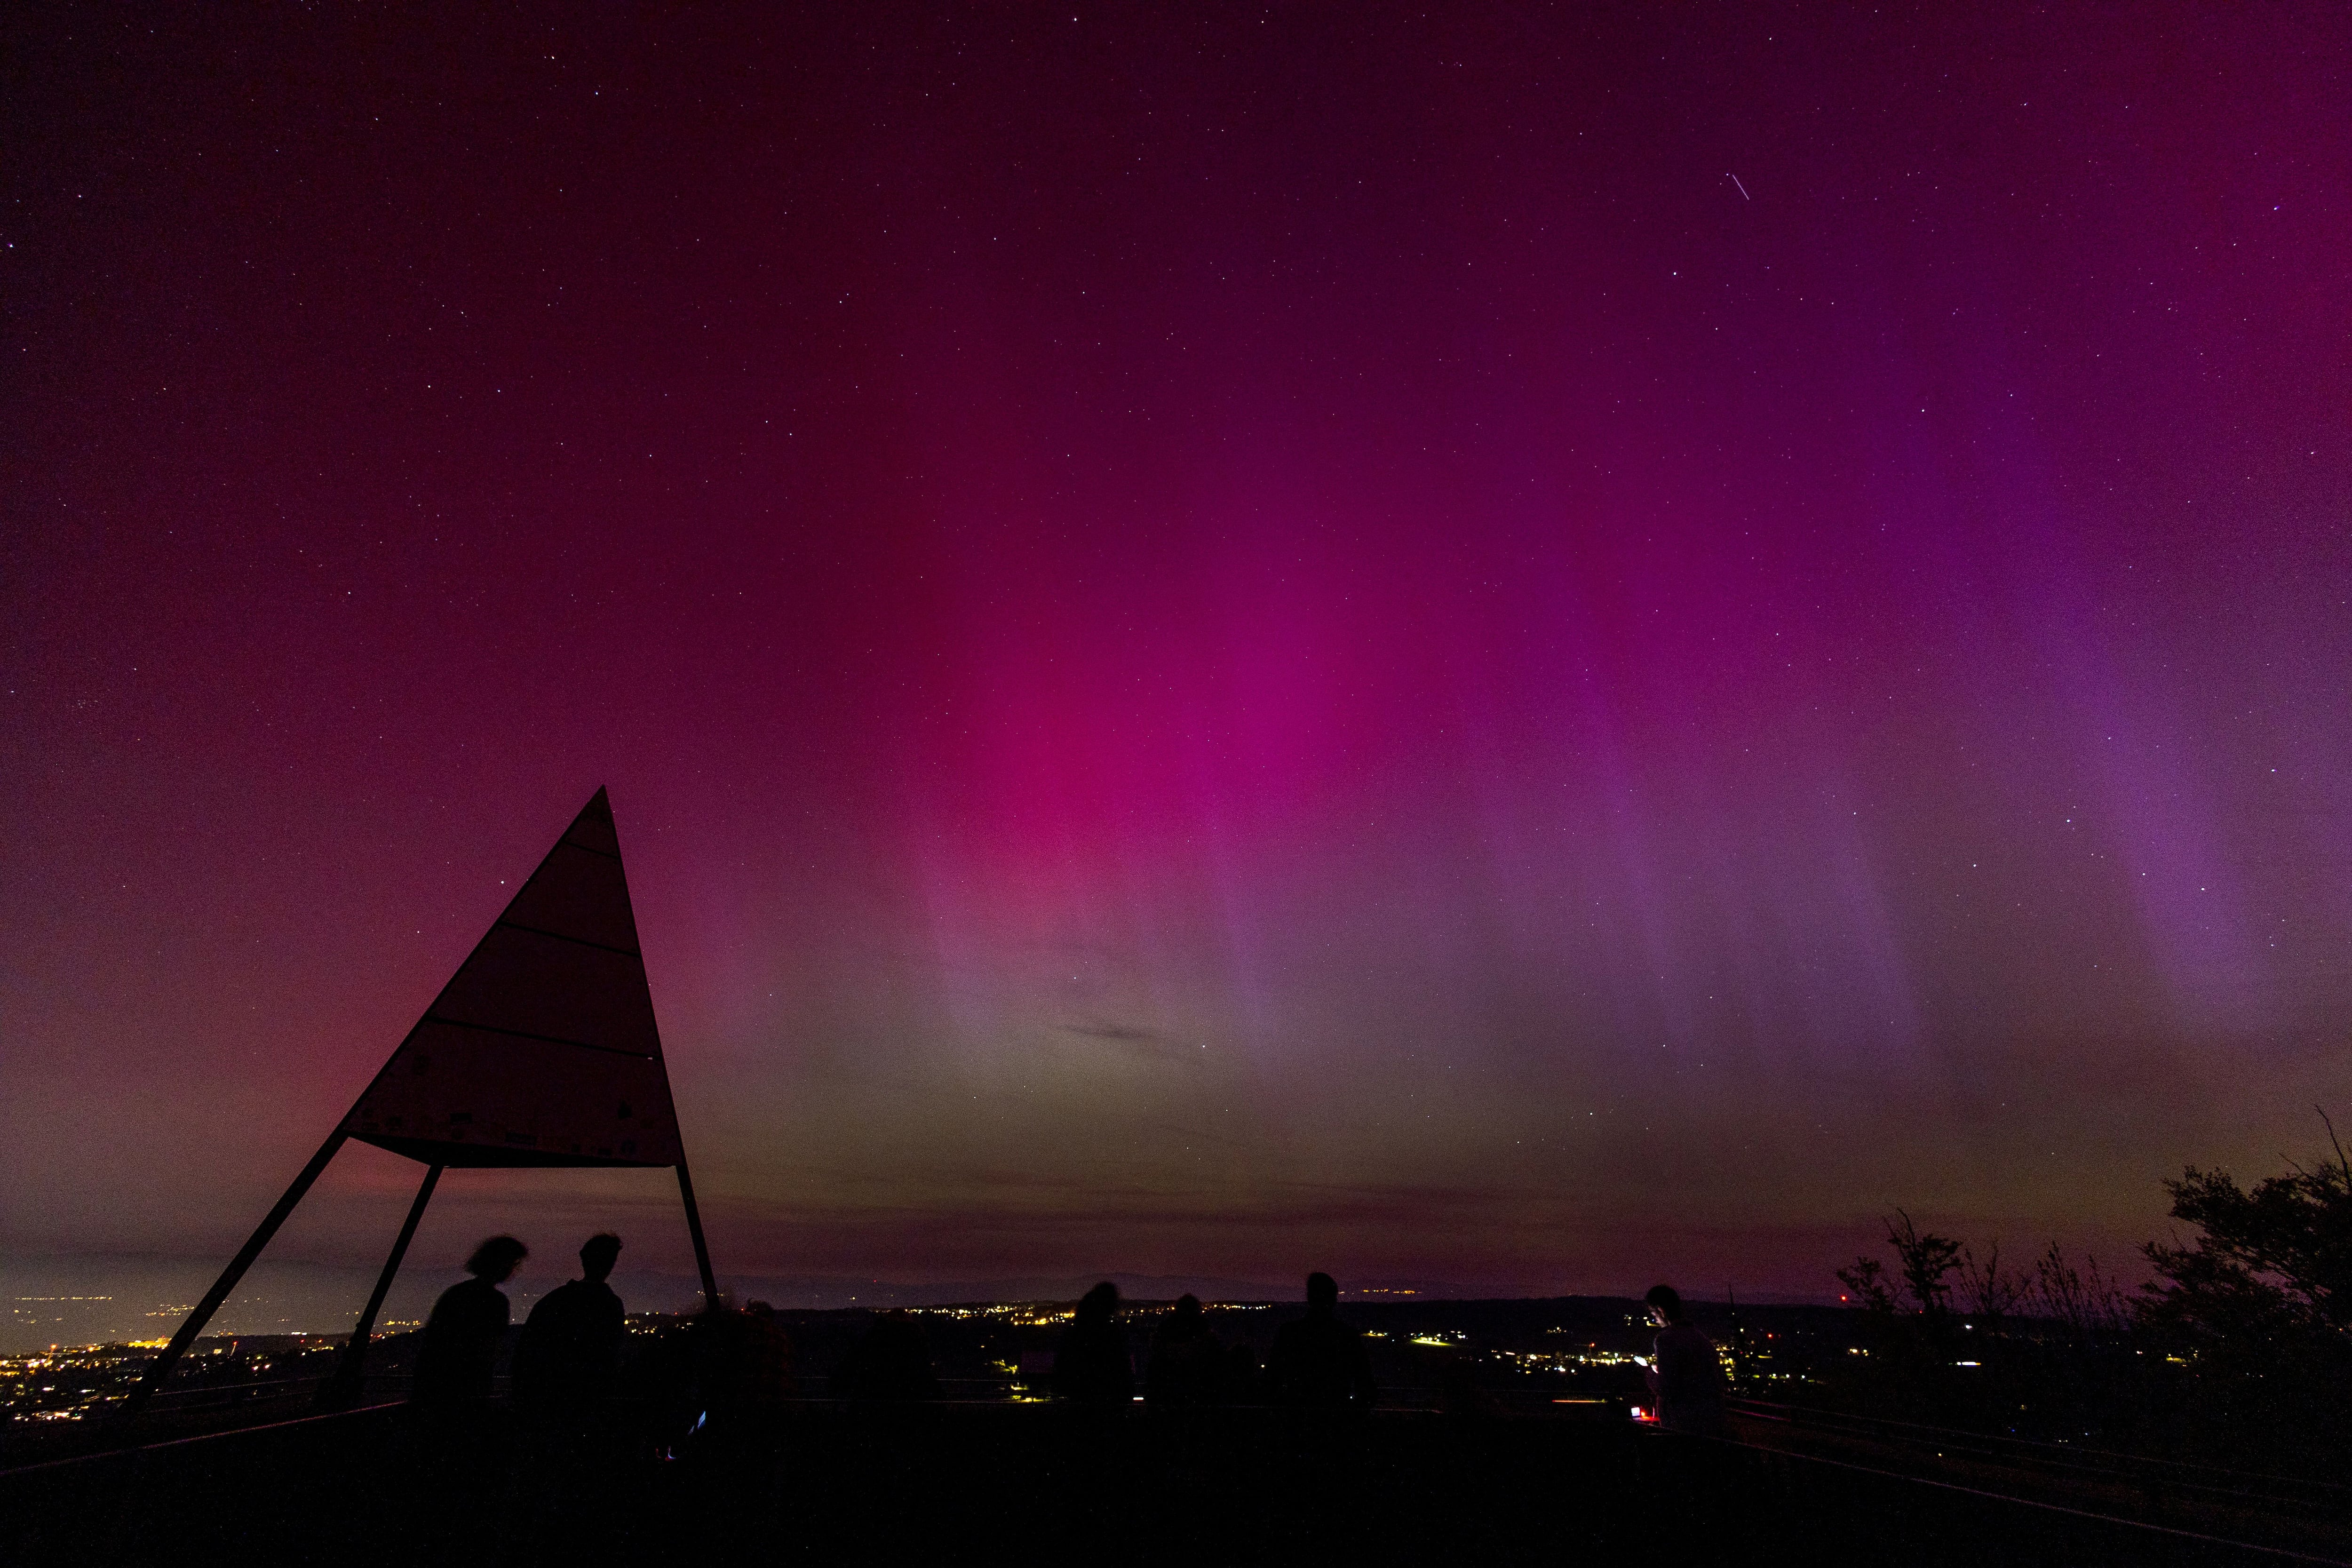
x=542 y=1050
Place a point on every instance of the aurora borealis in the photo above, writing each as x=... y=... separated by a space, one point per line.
x=1539 y=649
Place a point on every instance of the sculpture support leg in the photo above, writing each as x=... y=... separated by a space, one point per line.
x=701 y=1248
x=342 y=1390
x=161 y=1367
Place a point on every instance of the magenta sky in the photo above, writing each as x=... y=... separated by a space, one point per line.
x=1532 y=650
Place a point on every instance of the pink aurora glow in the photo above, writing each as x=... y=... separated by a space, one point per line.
x=1217 y=646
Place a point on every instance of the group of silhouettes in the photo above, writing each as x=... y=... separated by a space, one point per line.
x=569 y=1357
x=568 y=1360
x=1317 y=1361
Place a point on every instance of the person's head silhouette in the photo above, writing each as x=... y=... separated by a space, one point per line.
x=1100 y=1304
x=1322 y=1294
x=1665 y=1304
x=495 y=1261
x=1186 y=1313
x=597 y=1256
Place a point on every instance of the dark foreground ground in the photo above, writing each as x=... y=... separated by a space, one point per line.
x=824 y=1482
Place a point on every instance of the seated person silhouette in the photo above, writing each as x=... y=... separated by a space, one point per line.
x=569 y=1352
x=461 y=1338
x=1090 y=1365
x=1685 y=1378
x=1318 y=1362
x=1188 y=1365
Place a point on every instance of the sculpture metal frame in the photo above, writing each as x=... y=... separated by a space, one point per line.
x=547 y=1022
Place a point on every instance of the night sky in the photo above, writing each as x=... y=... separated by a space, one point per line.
x=1541 y=649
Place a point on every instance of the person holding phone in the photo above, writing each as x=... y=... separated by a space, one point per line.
x=1686 y=1378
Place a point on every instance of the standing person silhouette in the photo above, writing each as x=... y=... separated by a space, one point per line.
x=1090 y=1365
x=892 y=1362
x=1685 y=1378
x=461 y=1338
x=570 y=1350
x=459 y=1450
x=565 y=1365
x=1187 y=1364
x=1320 y=1361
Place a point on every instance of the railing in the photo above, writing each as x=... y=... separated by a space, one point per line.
x=117 y=1504
x=2179 y=1477
x=2286 y=1516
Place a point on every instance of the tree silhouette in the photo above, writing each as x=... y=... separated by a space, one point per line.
x=1866 y=1279
x=1993 y=1291
x=2269 y=1266
x=1924 y=1258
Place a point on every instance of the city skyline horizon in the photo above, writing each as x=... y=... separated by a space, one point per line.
x=318 y=1301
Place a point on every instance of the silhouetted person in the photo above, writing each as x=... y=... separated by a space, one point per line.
x=764 y=1378
x=458 y=1439
x=569 y=1352
x=1090 y=1365
x=1239 y=1380
x=891 y=1363
x=1187 y=1367
x=1458 y=1392
x=1685 y=1378
x=1320 y=1361
x=461 y=1338
x=743 y=1376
